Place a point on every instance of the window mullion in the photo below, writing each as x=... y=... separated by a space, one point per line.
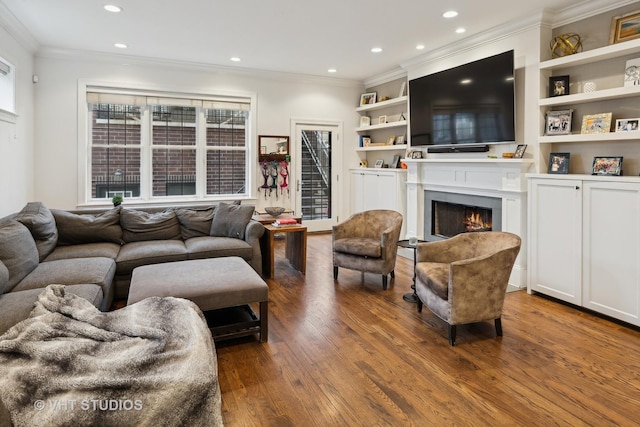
x=145 y=154
x=201 y=154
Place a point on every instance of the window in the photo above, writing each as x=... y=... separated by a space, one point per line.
x=163 y=148
x=7 y=87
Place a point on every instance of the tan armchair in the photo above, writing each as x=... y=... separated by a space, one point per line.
x=464 y=279
x=367 y=242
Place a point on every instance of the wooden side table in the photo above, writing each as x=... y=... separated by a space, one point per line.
x=295 y=247
x=268 y=219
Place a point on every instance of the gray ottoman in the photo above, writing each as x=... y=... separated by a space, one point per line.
x=213 y=284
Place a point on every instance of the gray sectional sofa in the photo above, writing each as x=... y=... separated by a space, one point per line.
x=94 y=252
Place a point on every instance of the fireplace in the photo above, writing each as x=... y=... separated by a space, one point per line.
x=449 y=214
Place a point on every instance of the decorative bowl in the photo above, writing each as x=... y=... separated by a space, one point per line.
x=274 y=210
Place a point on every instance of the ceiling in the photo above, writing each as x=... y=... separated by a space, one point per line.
x=294 y=36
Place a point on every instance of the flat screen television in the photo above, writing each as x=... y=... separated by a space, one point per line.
x=465 y=106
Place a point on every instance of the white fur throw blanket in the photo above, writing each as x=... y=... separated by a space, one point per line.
x=149 y=364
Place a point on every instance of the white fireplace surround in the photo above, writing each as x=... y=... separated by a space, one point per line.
x=500 y=178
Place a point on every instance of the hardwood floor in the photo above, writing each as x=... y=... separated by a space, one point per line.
x=347 y=353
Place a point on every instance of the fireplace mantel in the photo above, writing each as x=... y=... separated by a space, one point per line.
x=501 y=178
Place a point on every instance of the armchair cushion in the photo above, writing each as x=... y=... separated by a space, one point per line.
x=359 y=246
x=435 y=276
x=40 y=221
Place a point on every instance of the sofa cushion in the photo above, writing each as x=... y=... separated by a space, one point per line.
x=74 y=228
x=42 y=225
x=195 y=222
x=139 y=226
x=360 y=246
x=18 y=252
x=85 y=250
x=135 y=254
x=17 y=306
x=97 y=271
x=215 y=247
x=230 y=220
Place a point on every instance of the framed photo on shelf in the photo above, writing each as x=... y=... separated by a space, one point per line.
x=366 y=141
x=391 y=140
x=520 y=149
x=395 y=163
x=558 y=122
x=403 y=89
x=627 y=125
x=607 y=166
x=400 y=140
x=379 y=163
x=596 y=123
x=365 y=121
x=625 y=27
x=382 y=120
x=368 y=98
x=558 y=85
x=558 y=163
x=632 y=72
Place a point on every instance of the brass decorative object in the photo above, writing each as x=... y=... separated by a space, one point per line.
x=565 y=44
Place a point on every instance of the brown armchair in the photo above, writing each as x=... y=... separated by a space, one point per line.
x=367 y=242
x=464 y=279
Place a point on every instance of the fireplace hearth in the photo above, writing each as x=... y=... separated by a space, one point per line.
x=449 y=214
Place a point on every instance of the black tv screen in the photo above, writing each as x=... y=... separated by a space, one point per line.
x=469 y=104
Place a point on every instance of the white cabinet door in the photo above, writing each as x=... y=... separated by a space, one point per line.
x=611 y=249
x=357 y=191
x=371 y=189
x=555 y=236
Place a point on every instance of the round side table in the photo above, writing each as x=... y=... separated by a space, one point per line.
x=411 y=297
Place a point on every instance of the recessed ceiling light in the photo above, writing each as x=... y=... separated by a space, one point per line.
x=460 y=30
x=450 y=14
x=376 y=50
x=112 y=8
x=332 y=70
x=420 y=47
x=120 y=45
x=465 y=81
x=235 y=59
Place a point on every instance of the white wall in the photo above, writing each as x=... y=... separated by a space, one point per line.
x=16 y=139
x=280 y=98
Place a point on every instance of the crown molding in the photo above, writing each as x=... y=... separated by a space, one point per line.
x=389 y=76
x=533 y=21
x=18 y=31
x=584 y=10
x=130 y=60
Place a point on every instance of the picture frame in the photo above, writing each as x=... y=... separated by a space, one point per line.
x=596 y=123
x=368 y=98
x=558 y=86
x=395 y=163
x=365 y=121
x=403 y=89
x=632 y=73
x=625 y=27
x=520 y=149
x=391 y=140
x=558 y=122
x=379 y=163
x=416 y=154
x=400 y=140
x=627 y=125
x=263 y=149
x=558 y=163
x=366 y=141
x=607 y=166
x=382 y=120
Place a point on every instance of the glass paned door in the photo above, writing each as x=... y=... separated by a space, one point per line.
x=316 y=178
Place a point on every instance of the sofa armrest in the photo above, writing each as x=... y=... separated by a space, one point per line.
x=252 y=234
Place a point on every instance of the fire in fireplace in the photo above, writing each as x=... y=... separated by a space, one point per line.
x=449 y=214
